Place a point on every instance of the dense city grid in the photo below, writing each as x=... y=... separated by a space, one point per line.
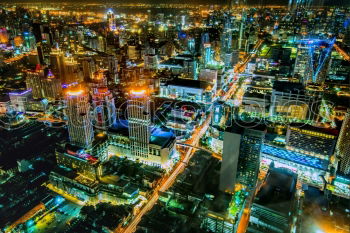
x=172 y=116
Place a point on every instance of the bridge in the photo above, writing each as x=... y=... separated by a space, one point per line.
x=215 y=155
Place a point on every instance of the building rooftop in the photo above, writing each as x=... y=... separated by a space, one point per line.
x=303 y=126
x=162 y=137
x=79 y=153
x=189 y=83
x=159 y=136
x=277 y=192
x=289 y=87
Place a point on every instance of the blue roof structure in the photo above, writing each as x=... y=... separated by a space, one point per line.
x=159 y=136
x=295 y=157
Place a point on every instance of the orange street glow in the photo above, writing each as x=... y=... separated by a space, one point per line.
x=75 y=93
x=140 y=92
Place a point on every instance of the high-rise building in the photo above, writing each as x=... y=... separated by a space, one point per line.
x=343 y=146
x=207 y=57
x=80 y=127
x=113 y=68
x=226 y=38
x=57 y=64
x=52 y=87
x=19 y=100
x=111 y=20
x=89 y=68
x=4 y=38
x=272 y=209
x=34 y=81
x=191 y=45
x=151 y=61
x=139 y=117
x=72 y=71
x=312 y=59
x=241 y=156
x=104 y=108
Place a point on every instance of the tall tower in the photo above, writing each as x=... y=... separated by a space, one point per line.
x=111 y=20
x=139 y=117
x=104 y=107
x=78 y=113
x=207 y=54
x=51 y=86
x=89 y=68
x=312 y=59
x=57 y=64
x=343 y=145
x=226 y=39
x=241 y=157
x=241 y=29
x=34 y=81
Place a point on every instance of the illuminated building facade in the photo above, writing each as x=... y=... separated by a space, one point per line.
x=57 y=64
x=4 y=38
x=111 y=20
x=241 y=157
x=72 y=71
x=318 y=142
x=34 y=82
x=289 y=101
x=79 y=160
x=139 y=117
x=151 y=62
x=52 y=87
x=20 y=99
x=79 y=123
x=190 y=90
x=343 y=146
x=89 y=68
x=308 y=168
x=103 y=107
x=207 y=57
x=191 y=45
x=161 y=145
x=312 y=59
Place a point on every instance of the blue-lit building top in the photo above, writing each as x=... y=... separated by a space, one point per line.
x=295 y=157
x=162 y=137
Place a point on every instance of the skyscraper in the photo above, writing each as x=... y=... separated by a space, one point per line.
x=79 y=123
x=57 y=64
x=104 y=107
x=89 y=68
x=52 y=88
x=241 y=156
x=139 y=117
x=207 y=54
x=72 y=71
x=111 y=20
x=343 y=145
x=34 y=81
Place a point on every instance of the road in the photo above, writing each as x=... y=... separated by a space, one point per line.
x=194 y=141
x=342 y=52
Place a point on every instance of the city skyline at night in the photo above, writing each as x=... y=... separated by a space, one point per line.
x=156 y=116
